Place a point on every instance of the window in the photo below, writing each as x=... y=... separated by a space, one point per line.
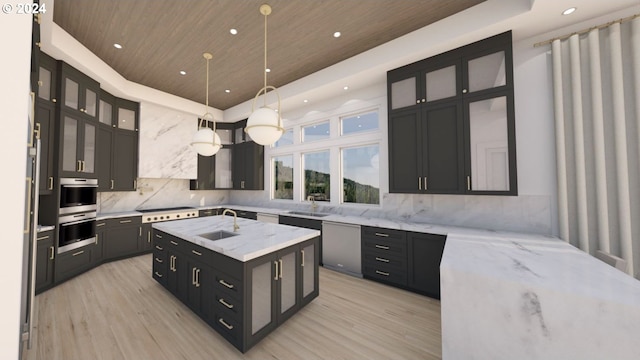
x=317 y=176
x=283 y=177
x=315 y=132
x=361 y=174
x=285 y=139
x=359 y=123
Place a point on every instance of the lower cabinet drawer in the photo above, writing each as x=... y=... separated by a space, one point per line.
x=228 y=328
x=72 y=263
x=228 y=307
x=159 y=268
x=225 y=284
x=383 y=260
x=385 y=273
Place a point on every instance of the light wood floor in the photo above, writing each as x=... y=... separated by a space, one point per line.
x=117 y=311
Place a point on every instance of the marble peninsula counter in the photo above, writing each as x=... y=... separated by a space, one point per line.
x=517 y=296
x=252 y=240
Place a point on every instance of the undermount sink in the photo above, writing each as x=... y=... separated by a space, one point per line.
x=306 y=213
x=217 y=235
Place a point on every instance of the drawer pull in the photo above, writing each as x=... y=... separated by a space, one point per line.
x=158 y=274
x=382 y=273
x=382 y=259
x=230 y=286
x=51 y=257
x=173 y=242
x=159 y=260
x=383 y=247
x=196 y=252
x=125 y=221
x=100 y=224
x=159 y=236
x=159 y=248
x=43 y=238
x=221 y=321
x=229 y=306
x=382 y=234
x=78 y=253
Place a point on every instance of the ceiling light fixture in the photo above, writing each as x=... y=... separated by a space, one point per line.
x=264 y=125
x=227 y=91
x=233 y=31
x=182 y=72
x=206 y=142
x=569 y=11
x=346 y=88
x=117 y=46
x=337 y=34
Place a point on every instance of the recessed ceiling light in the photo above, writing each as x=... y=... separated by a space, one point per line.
x=336 y=34
x=569 y=11
x=346 y=88
x=233 y=31
x=305 y=101
x=227 y=91
x=267 y=70
x=117 y=46
x=182 y=72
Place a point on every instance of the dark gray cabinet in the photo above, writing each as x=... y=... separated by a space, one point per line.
x=77 y=146
x=452 y=123
x=122 y=237
x=79 y=94
x=45 y=124
x=45 y=257
x=242 y=301
x=72 y=263
x=98 y=246
x=248 y=166
x=47 y=83
x=425 y=254
x=304 y=223
x=118 y=144
x=215 y=172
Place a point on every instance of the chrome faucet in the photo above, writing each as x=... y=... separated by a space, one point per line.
x=235 y=217
x=314 y=206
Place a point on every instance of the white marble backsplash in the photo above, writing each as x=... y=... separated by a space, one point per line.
x=165 y=137
x=159 y=193
x=523 y=213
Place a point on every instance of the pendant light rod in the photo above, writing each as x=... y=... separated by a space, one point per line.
x=208 y=57
x=266 y=11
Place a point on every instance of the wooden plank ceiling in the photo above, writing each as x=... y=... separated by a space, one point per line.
x=162 y=37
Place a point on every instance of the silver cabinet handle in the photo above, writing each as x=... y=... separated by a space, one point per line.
x=419 y=184
x=159 y=248
x=149 y=237
x=193 y=275
x=79 y=166
x=140 y=231
x=468 y=183
x=196 y=252
x=159 y=260
x=50 y=182
x=198 y=278
x=78 y=253
x=382 y=234
x=158 y=275
x=51 y=256
x=125 y=221
x=382 y=247
x=302 y=255
x=97 y=236
x=112 y=184
x=382 y=273
x=425 y=183
x=173 y=242
x=230 y=286
x=223 y=302
x=280 y=261
x=382 y=259
x=221 y=321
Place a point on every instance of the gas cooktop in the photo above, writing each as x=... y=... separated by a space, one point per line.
x=169 y=213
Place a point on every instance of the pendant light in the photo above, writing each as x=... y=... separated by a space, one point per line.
x=264 y=125
x=206 y=141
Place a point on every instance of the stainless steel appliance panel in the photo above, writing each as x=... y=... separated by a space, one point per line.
x=78 y=195
x=341 y=250
x=76 y=231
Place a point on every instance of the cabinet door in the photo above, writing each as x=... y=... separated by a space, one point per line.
x=72 y=263
x=70 y=137
x=197 y=293
x=124 y=158
x=144 y=242
x=45 y=120
x=442 y=157
x=98 y=246
x=262 y=296
x=425 y=253
x=238 y=167
x=45 y=255
x=178 y=274
x=254 y=166
x=309 y=260
x=404 y=91
x=405 y=145
x=288 y=282
x=223 y=169
x=79 y=92
x=104 y=152
x=47 y=80
x=206 y=174
x=88 y=154
x=121 y=241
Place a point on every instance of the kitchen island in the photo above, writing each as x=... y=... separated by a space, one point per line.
x=245 y=281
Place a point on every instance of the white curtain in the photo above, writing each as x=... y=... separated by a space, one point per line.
x=596 y=78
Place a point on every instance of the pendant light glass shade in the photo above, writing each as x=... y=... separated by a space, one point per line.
x=206 y=142
x=264 y=125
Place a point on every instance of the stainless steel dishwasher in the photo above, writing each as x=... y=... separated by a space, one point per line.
x=341 y=247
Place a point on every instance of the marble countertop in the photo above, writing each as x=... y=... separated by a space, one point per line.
x=253 y=239
x=520 y=296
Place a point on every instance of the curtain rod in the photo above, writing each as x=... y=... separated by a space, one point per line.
x=563 y=37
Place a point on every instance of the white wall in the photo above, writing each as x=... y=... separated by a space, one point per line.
x=15 y=37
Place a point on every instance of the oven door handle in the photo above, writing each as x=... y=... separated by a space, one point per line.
x=78 y=222
x=79 y=185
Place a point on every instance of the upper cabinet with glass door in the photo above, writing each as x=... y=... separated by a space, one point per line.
x=79 y=94
x=47 y=80
x=452 y=122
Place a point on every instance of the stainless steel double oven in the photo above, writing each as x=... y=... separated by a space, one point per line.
x=77 y=213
